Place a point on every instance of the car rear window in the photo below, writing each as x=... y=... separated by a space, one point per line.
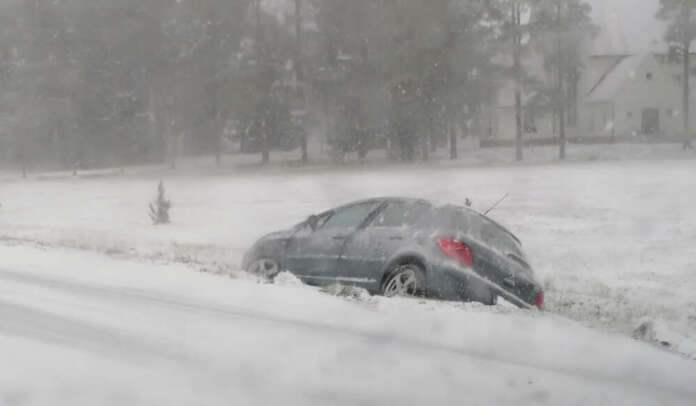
x=480 y=228
x=496 y=236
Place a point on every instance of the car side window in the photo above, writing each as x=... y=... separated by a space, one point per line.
x=350 y=217
x=400 y=214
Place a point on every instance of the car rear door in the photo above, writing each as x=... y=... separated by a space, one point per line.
x=313 y=257
x=389 y=232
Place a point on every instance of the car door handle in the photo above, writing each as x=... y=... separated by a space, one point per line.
x=395 y=238
x=340 y=237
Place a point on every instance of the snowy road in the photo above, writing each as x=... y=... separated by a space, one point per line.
x=78 y=328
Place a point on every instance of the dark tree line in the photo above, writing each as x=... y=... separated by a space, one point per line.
x=102 y=82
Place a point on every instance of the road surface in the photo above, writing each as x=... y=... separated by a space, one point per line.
x=80 y=329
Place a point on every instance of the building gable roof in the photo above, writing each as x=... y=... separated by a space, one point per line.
x=615 y=78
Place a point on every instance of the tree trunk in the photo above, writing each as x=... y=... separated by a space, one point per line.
x=299 y=70
x=172 y=146
x=517 y=21
x=561 y=99
x=265 y=84
x=453 y=139
x=519 y=154
x=325 y=121
x=265 y=147
x=23 y=161
x=686 y=102
x=157 y=122
x=573 y=91
x=434 y=139
x=433 y=135
x=613 y=120
x=562 y=132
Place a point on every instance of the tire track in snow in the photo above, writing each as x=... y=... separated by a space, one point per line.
x=54 y=329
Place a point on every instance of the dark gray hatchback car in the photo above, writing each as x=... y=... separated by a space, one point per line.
x=396 y=246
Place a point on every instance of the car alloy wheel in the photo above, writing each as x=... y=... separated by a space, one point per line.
x=406 y=280
x=265 y=268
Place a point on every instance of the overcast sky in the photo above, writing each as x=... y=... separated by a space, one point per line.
x=630 y=25
x=634 y=18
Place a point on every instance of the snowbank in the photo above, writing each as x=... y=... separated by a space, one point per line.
x=79 y=329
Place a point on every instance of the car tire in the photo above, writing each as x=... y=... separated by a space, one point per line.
x=404 y=280
x=490 y=300
x=264 y=268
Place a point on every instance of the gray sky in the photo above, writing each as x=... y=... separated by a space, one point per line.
x=629 y=22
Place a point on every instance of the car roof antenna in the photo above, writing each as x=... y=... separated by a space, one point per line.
x=496 y=204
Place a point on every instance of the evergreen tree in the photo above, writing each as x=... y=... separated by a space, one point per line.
x=681 y=33
x=159 y=208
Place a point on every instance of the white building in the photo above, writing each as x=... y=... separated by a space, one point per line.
x=636 y=96
x=621 y=93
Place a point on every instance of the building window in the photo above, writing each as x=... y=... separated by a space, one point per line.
x=649 y=76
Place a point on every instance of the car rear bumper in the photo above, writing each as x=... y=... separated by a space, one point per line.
x=450 y=282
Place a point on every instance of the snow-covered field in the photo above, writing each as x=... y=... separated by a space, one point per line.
x=613 y=242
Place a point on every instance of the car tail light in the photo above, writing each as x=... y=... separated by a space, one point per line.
x=457 y=250
x=540 y=301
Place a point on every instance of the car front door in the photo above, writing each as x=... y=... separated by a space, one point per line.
x=313 y=256
x=367 y=251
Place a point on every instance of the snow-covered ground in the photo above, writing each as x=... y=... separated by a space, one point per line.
x=79 y=328
x=613 y=241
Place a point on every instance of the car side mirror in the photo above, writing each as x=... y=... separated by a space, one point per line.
x=312 y=222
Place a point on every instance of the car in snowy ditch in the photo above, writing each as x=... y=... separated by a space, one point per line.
x=403 y=247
